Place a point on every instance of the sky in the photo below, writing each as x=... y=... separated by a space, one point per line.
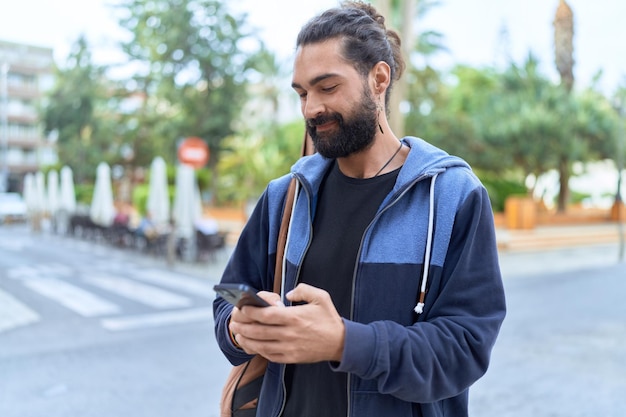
x=471 y=30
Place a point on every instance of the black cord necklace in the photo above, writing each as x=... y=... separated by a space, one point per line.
x=389 y=161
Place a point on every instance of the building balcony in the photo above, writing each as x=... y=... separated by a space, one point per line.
x=24 y=91
x=31 y=142
x=23 y=117
x=23 y=168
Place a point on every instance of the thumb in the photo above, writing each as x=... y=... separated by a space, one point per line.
x=271 y=297
x=308 y=294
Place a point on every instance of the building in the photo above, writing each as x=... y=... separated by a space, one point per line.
x=26 y=72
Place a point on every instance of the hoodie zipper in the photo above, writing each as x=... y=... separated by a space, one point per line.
x=395 y=199
x=393 y=202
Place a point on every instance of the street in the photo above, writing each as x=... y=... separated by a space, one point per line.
x=90 y=330
x=561 y=348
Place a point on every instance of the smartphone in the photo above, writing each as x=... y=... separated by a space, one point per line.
x=240 y=295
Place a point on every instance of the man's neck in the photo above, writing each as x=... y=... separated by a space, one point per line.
x=368 y=163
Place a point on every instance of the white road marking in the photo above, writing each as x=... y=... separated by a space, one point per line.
x=76 y=299
x=175 y=281
x=14 y=314
x=157 y=319
x=82 y=245
x=56 y=269
x=15 y=245
x=23 y=272
x=142 y=293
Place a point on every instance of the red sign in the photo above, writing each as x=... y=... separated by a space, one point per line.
x=193 y=152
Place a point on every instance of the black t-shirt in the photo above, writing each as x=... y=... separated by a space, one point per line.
x=345 y=207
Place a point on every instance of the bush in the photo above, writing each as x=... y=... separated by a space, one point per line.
x=140 y=198
x=84 y=193
x=577 y=197
x=500 y=188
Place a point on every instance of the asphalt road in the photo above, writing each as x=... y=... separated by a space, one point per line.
x=561 y=348
x=140 y=340
x=88 y=330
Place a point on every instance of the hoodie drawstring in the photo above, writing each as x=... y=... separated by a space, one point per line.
x=419 y=308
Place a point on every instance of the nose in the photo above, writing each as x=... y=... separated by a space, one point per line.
x=312 y=106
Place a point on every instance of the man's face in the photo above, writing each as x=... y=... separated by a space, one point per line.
x=336 y=102
x=353 y=131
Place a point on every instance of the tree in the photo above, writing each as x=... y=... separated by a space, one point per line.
x=442 y=113
x=564 y=60
x=74 y=111
x=404 y=16
x=250 y=160
x=525 y=119
x=530 y=123
x=619 y=105
x=512 y=123
x=194 y=73
x=564 y=43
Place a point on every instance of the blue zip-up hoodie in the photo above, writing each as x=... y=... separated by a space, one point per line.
x=399 y=363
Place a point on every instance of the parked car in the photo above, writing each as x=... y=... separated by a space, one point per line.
x=12 y=208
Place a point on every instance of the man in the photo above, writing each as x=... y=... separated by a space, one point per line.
x=378 y=223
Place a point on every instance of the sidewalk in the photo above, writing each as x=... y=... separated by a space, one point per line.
x=575 y=233
x=523 y=253
x=561 y=236
x=554 y=249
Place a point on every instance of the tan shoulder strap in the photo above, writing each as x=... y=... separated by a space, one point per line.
x=282 y=235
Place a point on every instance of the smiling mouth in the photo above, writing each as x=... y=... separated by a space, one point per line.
x=325 y=126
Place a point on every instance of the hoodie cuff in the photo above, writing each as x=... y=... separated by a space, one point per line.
x=231 y=335
x=359 y=348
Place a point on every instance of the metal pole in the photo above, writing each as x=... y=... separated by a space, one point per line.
x=4 y=126
x=620 y=167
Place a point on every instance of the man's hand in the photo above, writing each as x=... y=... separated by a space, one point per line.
x=307 y=333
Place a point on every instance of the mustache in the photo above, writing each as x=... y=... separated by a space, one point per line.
x=323 y=118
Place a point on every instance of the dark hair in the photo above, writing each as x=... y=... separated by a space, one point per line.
x=366 y=40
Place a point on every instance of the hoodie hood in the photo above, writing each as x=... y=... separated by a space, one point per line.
x=424 y=160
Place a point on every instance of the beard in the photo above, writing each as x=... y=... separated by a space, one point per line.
x=351 y=135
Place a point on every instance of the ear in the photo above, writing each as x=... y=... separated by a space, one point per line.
x=380 y=75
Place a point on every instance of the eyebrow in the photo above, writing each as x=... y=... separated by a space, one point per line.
x=316 y=80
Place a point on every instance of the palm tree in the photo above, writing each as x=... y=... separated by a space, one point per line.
x=564 y=43
x=402 y=15
x=564 y=60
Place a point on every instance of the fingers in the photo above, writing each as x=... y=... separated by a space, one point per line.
x=303 y=333
x=271 y=297
x=238 y=316
x=308 y=294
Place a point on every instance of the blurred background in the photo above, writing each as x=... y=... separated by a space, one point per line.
x=530 y=94
x=136 y=135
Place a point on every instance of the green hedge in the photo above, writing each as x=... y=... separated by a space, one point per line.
x=500 y=188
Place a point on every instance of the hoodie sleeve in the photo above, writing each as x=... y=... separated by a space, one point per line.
x=252 y=261
x=449 y=348
x=248 y=264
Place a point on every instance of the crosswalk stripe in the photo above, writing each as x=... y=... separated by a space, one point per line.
x=175 y=281
x=23 y=272
x=142 y=293
x=57 y=269
x=13 y=313
x=158 y=319
x=15 y=245
x=76 y=299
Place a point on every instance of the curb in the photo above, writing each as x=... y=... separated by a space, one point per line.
x=558 y=237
